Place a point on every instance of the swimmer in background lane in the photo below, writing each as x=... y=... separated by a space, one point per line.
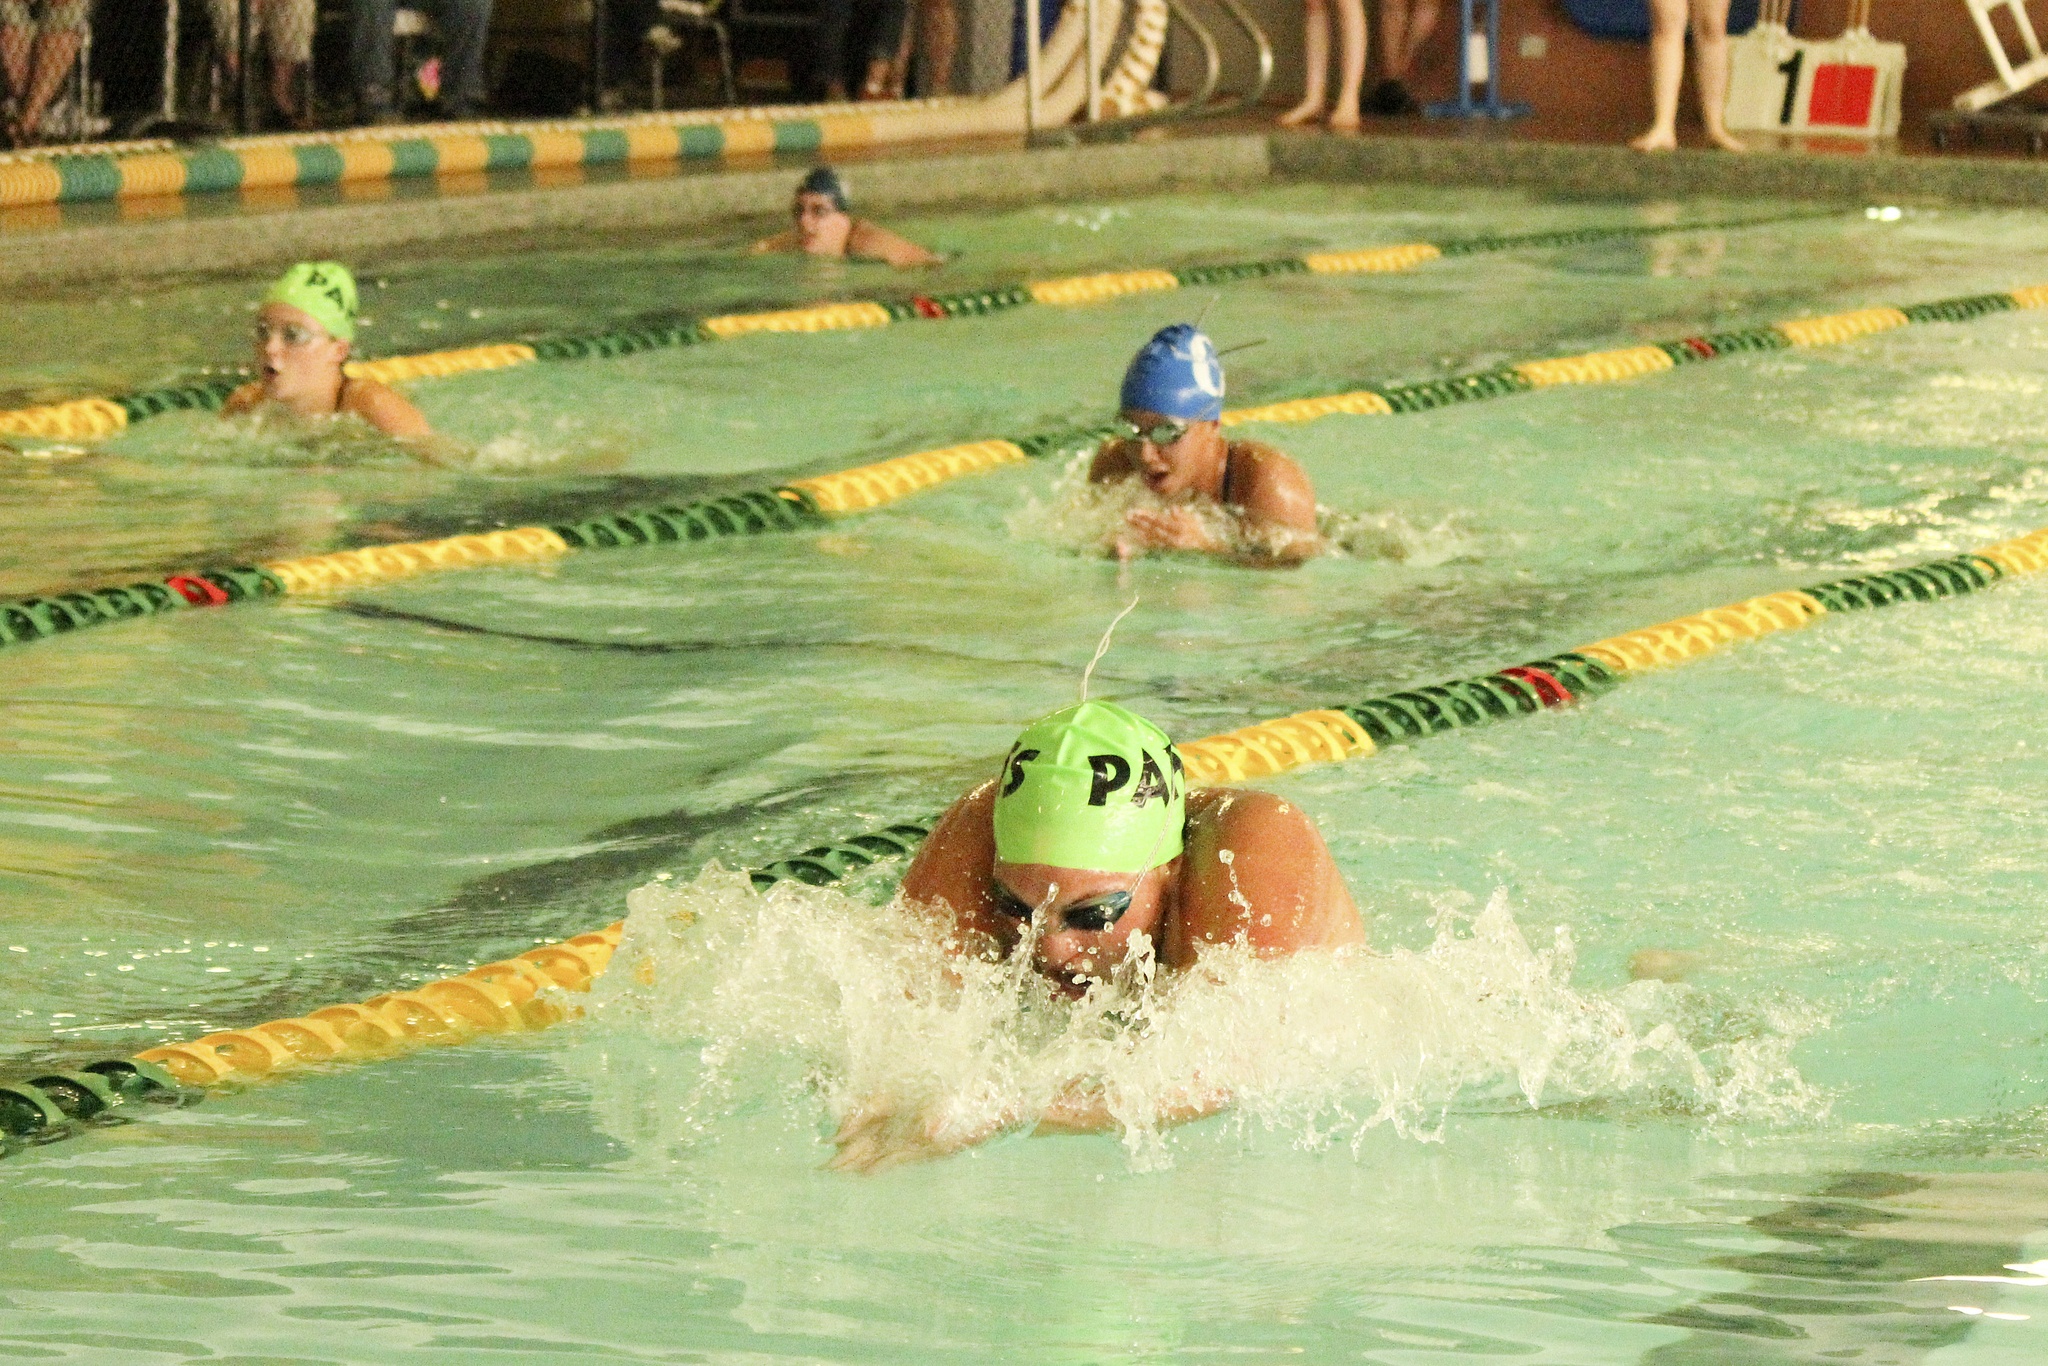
x=1088 y=852
x=824 y=227
x=1171 y=412
x=304 y=332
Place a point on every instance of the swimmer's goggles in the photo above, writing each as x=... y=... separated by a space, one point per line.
x=1159 y=433
x=291 y=334
x=1090 y=915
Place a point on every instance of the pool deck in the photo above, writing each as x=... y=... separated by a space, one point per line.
x=69 y=249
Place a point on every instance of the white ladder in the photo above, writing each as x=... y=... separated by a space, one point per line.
x=2011 y=79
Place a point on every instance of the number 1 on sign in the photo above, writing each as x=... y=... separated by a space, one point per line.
x=1790 y=67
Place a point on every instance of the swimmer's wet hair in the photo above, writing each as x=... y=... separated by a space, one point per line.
x=825 y=181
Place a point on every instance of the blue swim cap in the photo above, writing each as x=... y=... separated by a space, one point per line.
x=825 y=181
x=1176 y=375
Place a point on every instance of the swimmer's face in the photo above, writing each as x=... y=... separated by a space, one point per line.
x=296 y=360
x=1186 y=465
x=822 y=227
x=1074 y=946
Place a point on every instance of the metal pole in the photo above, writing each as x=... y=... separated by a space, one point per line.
x=1094 y=63
x=597 y=25
x=245 y=84
x=170 y=60
x=1031 y=55
x=1465 y=105
x=1493 y=57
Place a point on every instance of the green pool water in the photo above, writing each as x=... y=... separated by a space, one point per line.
x=1482 y=1142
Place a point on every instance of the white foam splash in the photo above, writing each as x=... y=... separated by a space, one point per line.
x=731 y=1000
x=1087 y=518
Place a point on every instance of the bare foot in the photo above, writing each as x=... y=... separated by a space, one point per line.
x=1726 y=141
x=1344 y=119
x=1305 y=112
x=1656 y=140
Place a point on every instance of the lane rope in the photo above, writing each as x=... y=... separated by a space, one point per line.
x=809 y=502
x=91 y=419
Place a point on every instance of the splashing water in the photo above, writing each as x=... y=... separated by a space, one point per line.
x=798 y=993
x=1086 y=518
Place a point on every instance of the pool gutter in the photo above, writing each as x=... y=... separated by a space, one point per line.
x=57 y=247
x=251 y=232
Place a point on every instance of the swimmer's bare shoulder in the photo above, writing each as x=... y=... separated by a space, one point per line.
x=1271 y=486
x=244 y=399
x=384 y=408
x=873 y=242
x=952 y=869
x=1279 y=889
x=786 y=240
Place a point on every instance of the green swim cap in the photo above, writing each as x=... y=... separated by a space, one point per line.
x=324 y=291
x=1092 y=786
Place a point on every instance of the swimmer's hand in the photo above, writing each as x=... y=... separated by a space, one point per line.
x=1163 y=529
x=879 y=1134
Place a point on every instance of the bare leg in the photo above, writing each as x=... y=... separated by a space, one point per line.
x=55 y=52
x=16 y=43
x=1667 y=67
x=1351 y=67
x=284 y=92
x=876 y=86
x=1316 y=53
x=939 y=31
x=1404 y=28
x=899 y=65
x=1710 y=67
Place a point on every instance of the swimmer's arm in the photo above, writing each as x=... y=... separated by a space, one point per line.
x=781 y=241
x=1085 y=1110
x=877 y=243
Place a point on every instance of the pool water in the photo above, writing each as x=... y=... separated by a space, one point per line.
x=1482 y=1142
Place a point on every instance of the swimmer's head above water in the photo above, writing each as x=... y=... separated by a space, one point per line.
x=821 y=213
x=305 y=330
x=1171 y=405
x=1089 y=816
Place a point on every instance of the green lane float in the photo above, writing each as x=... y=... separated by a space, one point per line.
x=92 y=418
x=49 y=1107
x=811 y=502
x=524 y=993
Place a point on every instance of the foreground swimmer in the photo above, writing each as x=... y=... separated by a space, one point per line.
x=1088 y=853
x=304 y=332
x=824 y=227
x=1172 y=410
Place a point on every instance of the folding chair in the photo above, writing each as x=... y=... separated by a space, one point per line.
x=699 y=16
x=2011 y=80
